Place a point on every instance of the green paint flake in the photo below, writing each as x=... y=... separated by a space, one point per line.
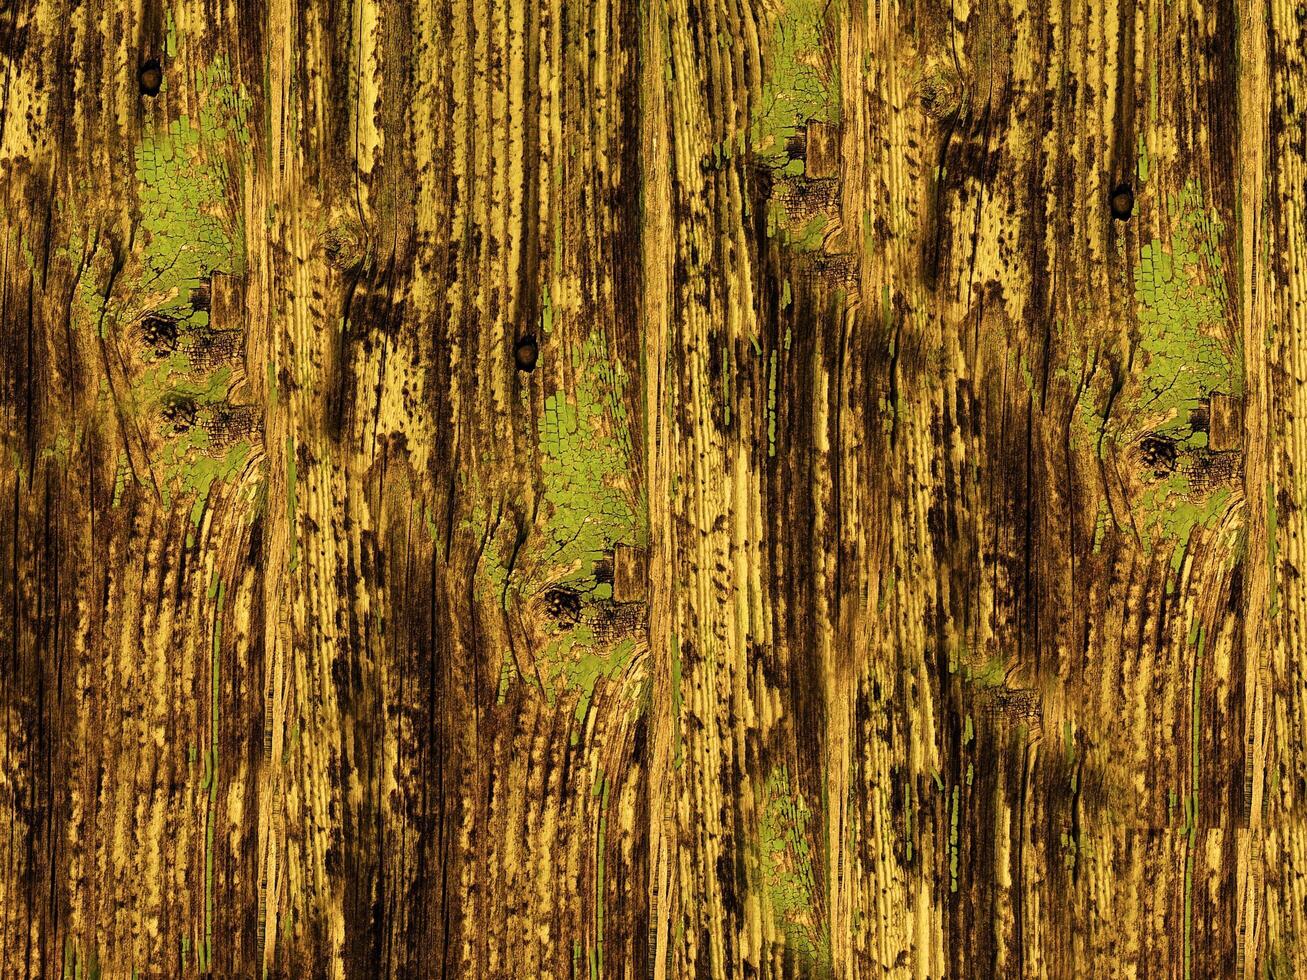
x=953 y=846
x=120 y=477
x=1172 y=513
x=787 y=871
x=992 y=674
x=577 y=662
x=546 y=311
x=1100 y=526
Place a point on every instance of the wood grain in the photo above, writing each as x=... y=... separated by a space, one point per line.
x=652 y=489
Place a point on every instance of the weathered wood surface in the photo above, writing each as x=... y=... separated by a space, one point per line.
x=653 y=488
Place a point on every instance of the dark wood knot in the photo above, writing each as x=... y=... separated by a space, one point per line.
x=1122 y=202
x=526 y=354
x=150 y=77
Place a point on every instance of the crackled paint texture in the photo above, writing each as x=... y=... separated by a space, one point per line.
x=786 y=862
x=1181 y=300
x=800 y=83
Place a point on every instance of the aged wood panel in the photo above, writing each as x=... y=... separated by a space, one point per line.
x=652 y=488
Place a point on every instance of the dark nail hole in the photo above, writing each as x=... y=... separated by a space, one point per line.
x=563 y=605
x=180 y=411
x=526 y=353
x=1158 y=453
x=1123 y=202
x=160 y=332
x=150 y=77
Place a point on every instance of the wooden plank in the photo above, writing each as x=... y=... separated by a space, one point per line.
x=683 y=488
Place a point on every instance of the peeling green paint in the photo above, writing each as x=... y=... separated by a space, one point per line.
x=585 y=446
x=787 y=870
x=184 y=189
x=1180 y=301
x=800 y=82
x=953 y=845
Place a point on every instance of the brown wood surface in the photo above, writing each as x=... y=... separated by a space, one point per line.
x=653 y=489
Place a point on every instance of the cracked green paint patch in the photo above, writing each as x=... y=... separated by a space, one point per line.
x=1180 y=299
x=1180 y=302
x=1172 y=512
x=800 y=80
x=192 y=229
x=787 y=870
x=807 y=237
x=1181 y=356
x=585 y=446
x=588 y=508
x=185 y=190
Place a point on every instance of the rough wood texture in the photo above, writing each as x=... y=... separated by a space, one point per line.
x=653 y=488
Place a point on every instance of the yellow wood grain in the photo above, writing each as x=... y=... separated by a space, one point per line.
x=652 y=488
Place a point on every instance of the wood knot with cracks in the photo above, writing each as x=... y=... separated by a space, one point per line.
x=941 y=93
x=179 y=411
x=526 y=353
x=1122 y=202
x=563 y=605
x=150 y=77
x=160 y=333
x=345 y=245
x=1159 y=453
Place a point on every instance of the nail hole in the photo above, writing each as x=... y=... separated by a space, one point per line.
x=150 y=77
x=1123 y=202
x=526 y=354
